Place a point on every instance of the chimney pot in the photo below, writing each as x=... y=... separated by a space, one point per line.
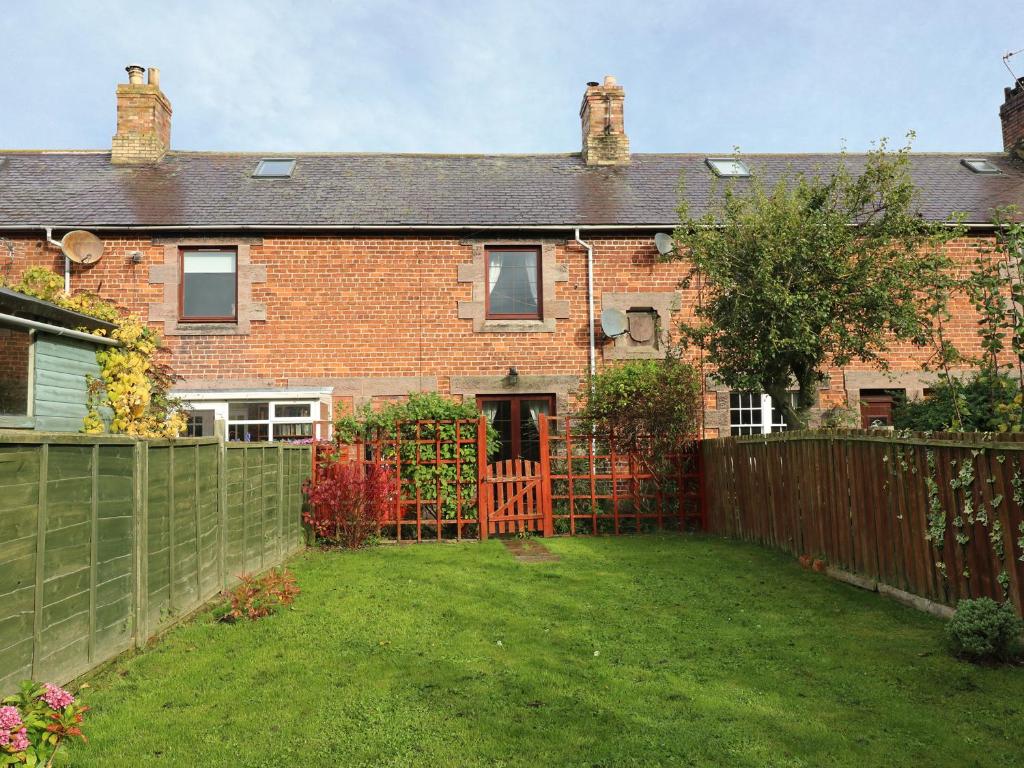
x=609 y=81
x=134 y=74
x=153 y=77
x=593 y=84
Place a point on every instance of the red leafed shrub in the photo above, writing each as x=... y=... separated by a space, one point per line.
x=257 y=597
x=349 y=501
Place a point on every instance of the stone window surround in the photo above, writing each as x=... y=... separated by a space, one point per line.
x=169 y=275
x=561 y=386
x=664 y=303
x=551 y=272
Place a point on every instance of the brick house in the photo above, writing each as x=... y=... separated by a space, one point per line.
x=288 y=285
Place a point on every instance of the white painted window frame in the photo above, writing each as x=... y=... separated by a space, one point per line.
x=767 y=424
x=219 y=403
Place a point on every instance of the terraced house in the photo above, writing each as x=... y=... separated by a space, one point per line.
x=288 y=285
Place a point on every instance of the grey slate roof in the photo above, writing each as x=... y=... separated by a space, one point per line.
x=83 y=189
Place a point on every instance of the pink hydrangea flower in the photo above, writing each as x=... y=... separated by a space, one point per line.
x=5 y=738
x=57 y=697
x=20 y=741
x=10 y=717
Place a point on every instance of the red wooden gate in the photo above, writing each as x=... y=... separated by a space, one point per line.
x=513 y=498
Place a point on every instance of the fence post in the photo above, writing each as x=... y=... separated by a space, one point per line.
x=93 y=548
x=37 y=618
x=141 y=525
x=482 y=496
x=280 y=502
x=545 y=477
x=222 y=503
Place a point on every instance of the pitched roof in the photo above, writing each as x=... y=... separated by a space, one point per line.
x=217 y=190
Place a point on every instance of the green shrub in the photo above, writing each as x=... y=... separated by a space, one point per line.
x=646 y=400
x=984 y=630
x=982 y=401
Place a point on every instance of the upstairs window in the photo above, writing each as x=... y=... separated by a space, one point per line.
x=513 y=288
x=209 y=285
x=980 y=165
x=274 y=168
x=728 y=166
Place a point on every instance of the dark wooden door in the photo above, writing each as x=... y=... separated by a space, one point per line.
x=876 y=411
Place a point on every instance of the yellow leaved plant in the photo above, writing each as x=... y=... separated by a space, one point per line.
x=132 y=385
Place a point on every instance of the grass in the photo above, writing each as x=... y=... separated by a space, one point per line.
x=646 y=651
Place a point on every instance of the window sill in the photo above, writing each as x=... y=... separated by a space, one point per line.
x=17 y=422
x=184 y=328
x=517 y=326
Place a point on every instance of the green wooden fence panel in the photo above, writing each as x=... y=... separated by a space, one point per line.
x=105 y=542
x=19 y=508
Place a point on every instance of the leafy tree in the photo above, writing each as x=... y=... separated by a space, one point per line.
x=810 y=271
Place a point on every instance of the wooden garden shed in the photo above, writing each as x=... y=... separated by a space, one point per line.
x=47 y=355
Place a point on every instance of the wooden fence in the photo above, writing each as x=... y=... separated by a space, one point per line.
x=106 y=541
x=940 y=516
x=580 y=485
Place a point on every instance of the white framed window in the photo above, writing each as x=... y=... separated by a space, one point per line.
x=753 y=413
x=259 y=416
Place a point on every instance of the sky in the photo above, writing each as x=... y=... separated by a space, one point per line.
x=477 y=76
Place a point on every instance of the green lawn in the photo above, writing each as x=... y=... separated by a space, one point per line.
x=646 y=651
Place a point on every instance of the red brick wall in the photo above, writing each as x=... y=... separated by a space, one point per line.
x=387 y=306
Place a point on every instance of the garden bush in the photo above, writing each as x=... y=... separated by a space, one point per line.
x=256 y=596
x=349 y=502
x=35 y=722
x=645 y=402
x=983 y=630
x=974 y=404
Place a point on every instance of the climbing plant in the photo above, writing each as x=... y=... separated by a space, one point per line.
x=411 y=435
x=133 y=384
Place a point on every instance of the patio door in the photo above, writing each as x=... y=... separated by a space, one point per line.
x=516 y=419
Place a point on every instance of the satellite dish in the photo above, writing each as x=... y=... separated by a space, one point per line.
x=82 y=247
x=614 y=322
x=664 y=243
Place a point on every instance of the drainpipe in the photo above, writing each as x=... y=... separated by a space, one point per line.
x=67 y=261
x=590 y=301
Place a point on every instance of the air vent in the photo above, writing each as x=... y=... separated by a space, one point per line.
x=980 y=165
x=728 y=167
x=274 y=168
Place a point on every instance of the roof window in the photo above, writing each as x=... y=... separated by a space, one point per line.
x=980 y=165
x=274 y=168
x=728 y=166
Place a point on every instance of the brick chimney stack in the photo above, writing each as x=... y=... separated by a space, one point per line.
x=604 y=127
x=1011 y=115
x=143 y=119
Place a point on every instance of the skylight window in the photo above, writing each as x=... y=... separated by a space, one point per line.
x=980 y=165
x=728 y=166
x=274 y=168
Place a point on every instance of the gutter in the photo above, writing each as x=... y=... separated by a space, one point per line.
x=381 y=227
x=56 y=330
